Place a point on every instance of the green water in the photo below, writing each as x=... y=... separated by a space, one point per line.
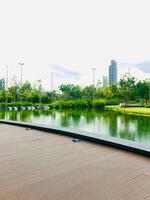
x=129 y=127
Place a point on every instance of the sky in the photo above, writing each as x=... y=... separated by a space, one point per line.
x=70 y=37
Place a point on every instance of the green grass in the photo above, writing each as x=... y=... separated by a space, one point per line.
x=130 y=110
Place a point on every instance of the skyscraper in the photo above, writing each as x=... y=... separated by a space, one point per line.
x=2 y=84
x=105 y=81
x=113 y=72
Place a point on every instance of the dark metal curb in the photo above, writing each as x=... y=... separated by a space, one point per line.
x=104 y=140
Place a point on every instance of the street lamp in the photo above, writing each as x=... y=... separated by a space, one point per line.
x=6 y=87
x=93 y=69
x=40 y=89
x=52 y=75
x=21 y=64
x=52 y=81
x=6 y=76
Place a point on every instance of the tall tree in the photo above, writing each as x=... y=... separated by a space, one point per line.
x=89 y=92
x=14 y=89
x=127 y=87
x=143 y=90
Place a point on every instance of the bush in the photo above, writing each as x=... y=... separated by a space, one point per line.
x=71 y=104
x=99 y=104
x=113 y=102
x=18 y=104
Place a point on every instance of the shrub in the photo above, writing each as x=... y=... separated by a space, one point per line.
x=71 y=104
x=112 y=101
x=99 y=104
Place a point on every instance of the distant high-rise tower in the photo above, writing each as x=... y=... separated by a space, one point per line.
x=105 y=81
x=2 y=84
x=113 y=72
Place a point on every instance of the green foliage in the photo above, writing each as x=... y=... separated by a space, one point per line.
x=127 y=87
x=116 y=101
x=99 y=104
x=89 y=92
x=71 y=104
x=17 y=104
x=143 y=89
x=70 y=91
x=73 y=96
x=110 y=92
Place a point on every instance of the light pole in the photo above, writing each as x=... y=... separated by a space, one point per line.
x=40 y=89
x=6 y=88
x=52 y=85
x=21 y=64
x=93 y=69
x=51 y=81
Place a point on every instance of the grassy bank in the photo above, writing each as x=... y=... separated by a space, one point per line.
x=130 y=110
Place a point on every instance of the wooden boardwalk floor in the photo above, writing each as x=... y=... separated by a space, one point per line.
x=35 y=165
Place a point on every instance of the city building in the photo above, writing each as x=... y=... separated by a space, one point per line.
x=2 y=84
x=113 y=72
x=105 y=81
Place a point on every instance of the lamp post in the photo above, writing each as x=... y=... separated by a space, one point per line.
x=21 y=64
x=40 y=89
x=51 y=81
x=6 y=88
x=52 y=86
x=93 y=69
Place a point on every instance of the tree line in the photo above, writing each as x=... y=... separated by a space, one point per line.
x=127 y=90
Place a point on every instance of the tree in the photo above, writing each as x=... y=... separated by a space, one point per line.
x=76 y=92
x=14 y=89
x=70 y=91
x=35 y=96
x=88 y=92
x=65 y=89
x=143 y=90
x=26 y=90
x=127 y=87
x=108 y=92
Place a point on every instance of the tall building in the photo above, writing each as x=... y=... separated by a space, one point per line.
x=113 y=72
x=105 y=81
x=2 y=84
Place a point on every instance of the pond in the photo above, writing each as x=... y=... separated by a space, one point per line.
x=128 y=127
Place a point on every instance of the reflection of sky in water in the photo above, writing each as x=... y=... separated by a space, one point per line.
x=135 y=128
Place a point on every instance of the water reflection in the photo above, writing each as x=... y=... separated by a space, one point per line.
x=135 y=128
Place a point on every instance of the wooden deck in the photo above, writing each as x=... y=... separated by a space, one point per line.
x=35 y=165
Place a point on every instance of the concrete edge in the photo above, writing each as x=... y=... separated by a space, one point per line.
x=108 y=141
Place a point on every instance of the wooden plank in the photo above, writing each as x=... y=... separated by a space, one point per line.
x=38 y=166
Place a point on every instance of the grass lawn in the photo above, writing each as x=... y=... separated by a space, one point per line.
x=130 y=110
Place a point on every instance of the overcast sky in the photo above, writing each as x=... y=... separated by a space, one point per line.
x=69 y=37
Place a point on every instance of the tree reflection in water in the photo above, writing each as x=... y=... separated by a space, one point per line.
x=130 y=127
